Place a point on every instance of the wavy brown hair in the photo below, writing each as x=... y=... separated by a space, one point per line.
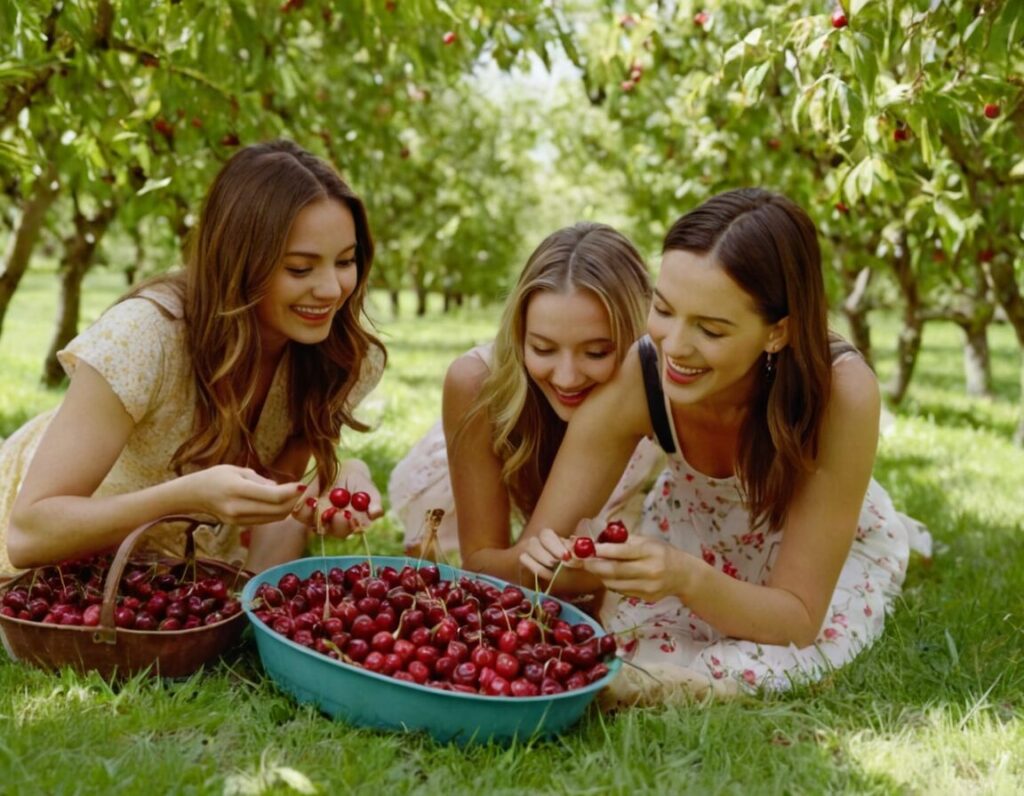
x=769 y=247
x=526 y=432
x=233 y=253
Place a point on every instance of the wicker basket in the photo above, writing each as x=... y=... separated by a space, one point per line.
x=116 y=652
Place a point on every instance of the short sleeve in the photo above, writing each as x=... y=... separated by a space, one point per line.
x=127 y=347
x=369 y=376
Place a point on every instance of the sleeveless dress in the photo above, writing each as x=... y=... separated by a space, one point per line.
x=707 y=518
x=420 y=483
x=139 y=347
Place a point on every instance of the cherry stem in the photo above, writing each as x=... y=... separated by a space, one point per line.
x=369 y=558
x=547 y=591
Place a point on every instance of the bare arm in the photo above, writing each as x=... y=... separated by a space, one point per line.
x=601 y=438
x=481 y=498
x=817 y=537
x=55 y=515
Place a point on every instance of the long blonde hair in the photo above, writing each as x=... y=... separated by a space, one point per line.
x=233 y=254
x=526 y=432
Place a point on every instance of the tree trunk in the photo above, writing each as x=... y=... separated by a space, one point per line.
x=395 y=304
x=908 y=344
x=448 y=302
x=23 y=241
x=1003 y=280
x=79 y=250
x=421 y=301
x=977 y=363
x=855 y=309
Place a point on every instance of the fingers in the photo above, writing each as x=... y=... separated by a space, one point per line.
x=539 y=558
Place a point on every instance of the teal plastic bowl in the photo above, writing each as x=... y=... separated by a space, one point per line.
x=368 y=699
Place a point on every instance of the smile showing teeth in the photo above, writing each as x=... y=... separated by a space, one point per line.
x=685 y=370
x=312 y=310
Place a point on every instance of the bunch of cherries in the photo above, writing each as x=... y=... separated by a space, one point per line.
x=151 y=596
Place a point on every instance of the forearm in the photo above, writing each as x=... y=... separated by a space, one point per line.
x=276 y=543
x=60 y=527
x=736 y=608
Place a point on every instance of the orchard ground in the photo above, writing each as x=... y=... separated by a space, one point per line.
x=936 y=706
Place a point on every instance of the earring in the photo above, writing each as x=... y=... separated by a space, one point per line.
x=769 y=364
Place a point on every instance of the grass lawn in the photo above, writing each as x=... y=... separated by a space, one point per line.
x=935 y=707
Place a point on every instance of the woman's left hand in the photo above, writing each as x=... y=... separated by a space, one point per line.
x=641 y=567
x=353 y=517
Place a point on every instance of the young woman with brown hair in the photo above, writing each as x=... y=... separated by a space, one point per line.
x=208 y=391
x=766 y=553
x=578 y=306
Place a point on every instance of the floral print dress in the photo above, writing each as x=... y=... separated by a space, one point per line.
x=706 y=517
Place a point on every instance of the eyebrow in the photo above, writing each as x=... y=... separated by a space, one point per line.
x=593 y=341
x=711 y=318
x=314 y=255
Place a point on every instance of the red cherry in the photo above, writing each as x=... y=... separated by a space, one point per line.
x=340 y=497
x=583 y=547
x=900 y=134
x=701 y=18
x=991 y=110
x=449 y=38
x=615 y=532
x=627 y=85
x=842 y=208
x=360 y=501
x=986 y=255
x=839 y=19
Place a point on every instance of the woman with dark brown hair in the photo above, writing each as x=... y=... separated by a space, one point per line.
x=208 y=391
x=766 y=553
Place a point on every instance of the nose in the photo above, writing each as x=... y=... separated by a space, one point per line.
x=566 y=375
x=328 y=285
x=678 y=343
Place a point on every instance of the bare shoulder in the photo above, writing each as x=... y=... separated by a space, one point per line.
x=854 y=409
x=622 y=398
x=465 y=377
x=855 y=392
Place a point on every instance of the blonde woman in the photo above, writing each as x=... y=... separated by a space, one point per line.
x=579 y=304
x=209 y=390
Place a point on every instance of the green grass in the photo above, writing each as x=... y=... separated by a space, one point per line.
x=935 y=706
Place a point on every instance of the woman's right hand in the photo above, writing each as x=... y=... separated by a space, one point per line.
x=541 y=554
x=241 y=496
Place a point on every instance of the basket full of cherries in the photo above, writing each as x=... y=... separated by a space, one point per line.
x=122 y=614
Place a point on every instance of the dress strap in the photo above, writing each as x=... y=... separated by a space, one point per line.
x=655 y=395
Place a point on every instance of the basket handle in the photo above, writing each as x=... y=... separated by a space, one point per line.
x=106 y=631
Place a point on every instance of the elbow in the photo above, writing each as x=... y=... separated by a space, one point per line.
x=20 y=550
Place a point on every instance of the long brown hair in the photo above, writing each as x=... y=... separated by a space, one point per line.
x=526 y=432
x=769 y=247
x=233 y=254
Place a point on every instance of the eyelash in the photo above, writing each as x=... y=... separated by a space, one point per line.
x=595 y=355
x=708 y=333
x=299 y=271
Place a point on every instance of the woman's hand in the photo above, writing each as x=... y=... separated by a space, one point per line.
x=239 y=496
x=641 y=567
x=543 y=553
x=346 y=514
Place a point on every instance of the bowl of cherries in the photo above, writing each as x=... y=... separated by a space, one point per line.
x=397 y=643
x=120 y=614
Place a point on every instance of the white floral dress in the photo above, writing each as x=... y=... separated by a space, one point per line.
x=706 y=517
x=420 y=483
x=140 y=349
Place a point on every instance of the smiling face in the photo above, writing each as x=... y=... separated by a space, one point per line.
x=569 y=348
x=315 y=277
x=710 y=336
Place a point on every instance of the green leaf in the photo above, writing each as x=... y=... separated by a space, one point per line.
x=154 y=185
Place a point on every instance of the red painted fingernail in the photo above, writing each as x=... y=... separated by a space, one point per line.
x=328 y=514
x=311 y=502
x=301 y=488
x=347 y=515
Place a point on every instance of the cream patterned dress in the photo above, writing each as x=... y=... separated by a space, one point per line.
x=139 y=347
x=707 y=518
x=420 y=482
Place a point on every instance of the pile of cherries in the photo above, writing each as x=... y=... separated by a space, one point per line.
x=466 y=635
x=151 y=596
